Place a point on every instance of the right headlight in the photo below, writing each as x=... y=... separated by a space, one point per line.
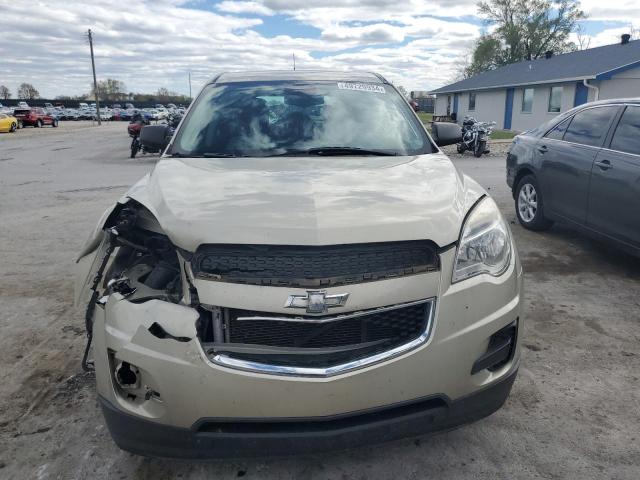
x=485 y=243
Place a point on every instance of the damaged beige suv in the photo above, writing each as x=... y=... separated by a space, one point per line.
x=302 y=270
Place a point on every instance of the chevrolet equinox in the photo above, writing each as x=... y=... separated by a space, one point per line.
x=302 y=270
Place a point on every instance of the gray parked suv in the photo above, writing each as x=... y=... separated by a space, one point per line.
x=582 y=168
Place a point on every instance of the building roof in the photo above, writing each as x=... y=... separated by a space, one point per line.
x=599 y=63
x=311 y=75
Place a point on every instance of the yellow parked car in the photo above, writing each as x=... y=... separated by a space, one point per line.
x=8 y=123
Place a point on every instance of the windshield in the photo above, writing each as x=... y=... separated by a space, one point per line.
x=260 y=119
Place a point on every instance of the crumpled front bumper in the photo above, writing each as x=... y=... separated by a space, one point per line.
x=201 y=409
x=234 y=438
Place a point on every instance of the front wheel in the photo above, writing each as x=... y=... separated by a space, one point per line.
x=480 y=148
x=461 y=147
x=14 y=127
x=530 y=205
x=55 y=123
x=39 y=124
x=135 y=147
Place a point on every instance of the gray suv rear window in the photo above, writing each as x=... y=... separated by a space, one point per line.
x=627 y=136
x=590 y=126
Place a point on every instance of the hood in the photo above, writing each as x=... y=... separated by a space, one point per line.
x=307 y=200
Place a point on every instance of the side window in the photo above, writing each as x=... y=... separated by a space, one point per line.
x=627 y=135
x=590 y=126
x=555 y=99
x=557 y=132
x=527 y=100
x=472 y=101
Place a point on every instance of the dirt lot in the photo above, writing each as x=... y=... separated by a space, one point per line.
x=573 y=412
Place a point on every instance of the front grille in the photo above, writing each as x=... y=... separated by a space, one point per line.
x=314 y=266
x=323 y=341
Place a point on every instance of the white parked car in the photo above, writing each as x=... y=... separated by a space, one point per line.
x=303 y=269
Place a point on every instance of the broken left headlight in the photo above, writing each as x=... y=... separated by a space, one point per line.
x=145 y=262
x=485 y=243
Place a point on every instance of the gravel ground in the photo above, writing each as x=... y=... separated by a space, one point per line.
x=573 y=412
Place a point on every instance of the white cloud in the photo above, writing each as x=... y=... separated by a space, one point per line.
x=254 y=8
x=149 y=44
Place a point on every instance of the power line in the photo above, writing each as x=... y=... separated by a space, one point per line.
x=95 y=82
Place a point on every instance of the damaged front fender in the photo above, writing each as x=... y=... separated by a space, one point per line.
x=129 y=254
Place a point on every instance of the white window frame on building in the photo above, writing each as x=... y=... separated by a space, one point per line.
x=524 y=96
x=559 y=106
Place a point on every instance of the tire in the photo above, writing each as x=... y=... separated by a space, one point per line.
x=20 y=124
x=135 y=147
x=13 y=127
x=530 y=205
x=479 y=150
x=460 y=147
x=55 y=123
x=38 y=124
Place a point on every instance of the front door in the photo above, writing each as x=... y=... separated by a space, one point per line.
x=614 y=194
x=566 y=155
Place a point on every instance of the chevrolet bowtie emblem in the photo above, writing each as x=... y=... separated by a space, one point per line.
x=316 y=302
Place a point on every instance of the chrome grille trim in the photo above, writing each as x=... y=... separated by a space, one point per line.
x=269 y=369
x=334 y=318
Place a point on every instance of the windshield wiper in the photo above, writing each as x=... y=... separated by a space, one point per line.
x=335 y=151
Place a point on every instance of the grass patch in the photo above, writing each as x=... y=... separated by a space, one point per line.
x=425 y=117
x=503 y=134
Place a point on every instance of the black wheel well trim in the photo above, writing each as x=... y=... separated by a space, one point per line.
x=522 y=171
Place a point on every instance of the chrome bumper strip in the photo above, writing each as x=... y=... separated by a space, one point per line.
x=257 y=367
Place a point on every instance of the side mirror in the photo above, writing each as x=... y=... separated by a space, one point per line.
x=445 y=133
x=155 y=138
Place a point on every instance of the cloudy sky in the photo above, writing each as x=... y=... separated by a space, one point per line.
x=156 y=43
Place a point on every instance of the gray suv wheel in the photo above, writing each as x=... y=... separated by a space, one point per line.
x=529 y=204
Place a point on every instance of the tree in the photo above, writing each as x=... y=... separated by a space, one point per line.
x=5 y=93
x=582 y=39
x=110 y=89
x=524 y=30
x=163 y=92
x=27 y=91
x=486 y=55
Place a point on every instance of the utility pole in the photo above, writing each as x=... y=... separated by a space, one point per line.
x=95 y=82
x=189 y=86
x=294 y=61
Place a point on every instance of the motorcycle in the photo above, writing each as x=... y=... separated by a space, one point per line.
x=475 y=136
x=133 y=129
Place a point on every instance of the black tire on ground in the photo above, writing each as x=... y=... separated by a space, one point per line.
x=14 y=127
x=55 y=123
x=38 y=124
x=480 y=148
x=135 y=147
x=530 y=204
x=461 y=147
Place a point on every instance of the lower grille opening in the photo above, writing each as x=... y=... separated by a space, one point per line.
x=322 y=424
x=318 y=342
x=502 y=345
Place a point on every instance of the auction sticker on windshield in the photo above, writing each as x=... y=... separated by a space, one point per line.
x=362 y=87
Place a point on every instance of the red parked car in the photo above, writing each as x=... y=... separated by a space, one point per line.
x=35 y=117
